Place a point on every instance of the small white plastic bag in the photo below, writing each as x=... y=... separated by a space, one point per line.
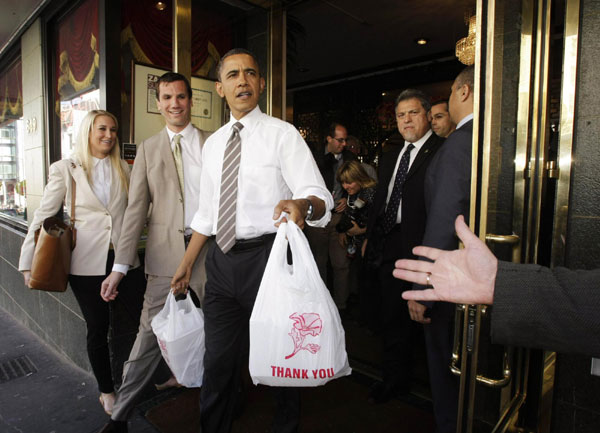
x=179 y=329
x=296 y=335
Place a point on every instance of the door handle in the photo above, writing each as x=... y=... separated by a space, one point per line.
x=513 y=240
x=461 y=310
x=455 y=359
x=503 y=239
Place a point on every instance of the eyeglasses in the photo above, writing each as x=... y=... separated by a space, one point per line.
x=340 y=140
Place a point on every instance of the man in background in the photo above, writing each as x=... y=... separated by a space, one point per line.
x=396 y=225
x=324 y=241
x=447 y=195
x=441 y=122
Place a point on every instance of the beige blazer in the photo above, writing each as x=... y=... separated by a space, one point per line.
x=154 y=182
x=97 y=226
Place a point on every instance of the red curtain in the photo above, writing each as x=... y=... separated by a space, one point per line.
x=11 y=92
x=150 y=33
x=78 y=49
x=209 y=28
x=151 y=30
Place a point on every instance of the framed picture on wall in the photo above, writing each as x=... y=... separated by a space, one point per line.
x=207 y=105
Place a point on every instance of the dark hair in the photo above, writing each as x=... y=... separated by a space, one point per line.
x=441 y=101
x=331 y=129
x=171 y=77
x=414 y=94
x=233 y=52
x=466 y=76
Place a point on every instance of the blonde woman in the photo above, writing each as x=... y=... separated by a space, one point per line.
x=352 y=230
x=101 y=179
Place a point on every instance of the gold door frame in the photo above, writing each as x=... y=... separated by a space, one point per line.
x=531 y=168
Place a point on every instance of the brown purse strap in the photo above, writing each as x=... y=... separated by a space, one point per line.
x=73 y=197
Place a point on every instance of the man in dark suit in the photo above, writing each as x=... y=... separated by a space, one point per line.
x=396 y=225
x=324 y=241
x=447 y=194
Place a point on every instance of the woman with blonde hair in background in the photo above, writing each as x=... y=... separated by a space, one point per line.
x=352 y=230
x=102 y=179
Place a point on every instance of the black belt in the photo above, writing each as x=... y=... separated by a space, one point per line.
x=247 y=244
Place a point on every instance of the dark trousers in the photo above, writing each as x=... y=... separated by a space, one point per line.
x=231 y=287
x=444 y=385
x=398 y=330
x=96 y=313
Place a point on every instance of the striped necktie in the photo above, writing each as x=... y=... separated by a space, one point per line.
x=178 y=160
x=228 y=198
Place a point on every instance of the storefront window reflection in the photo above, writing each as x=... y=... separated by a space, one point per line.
x=77 y=70
x=12 y=141
x=72 y=112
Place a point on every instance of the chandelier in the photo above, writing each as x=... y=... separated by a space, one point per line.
x=465 y=47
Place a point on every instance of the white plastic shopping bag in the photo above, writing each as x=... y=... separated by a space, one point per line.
x=179 y=329
x=296 y=335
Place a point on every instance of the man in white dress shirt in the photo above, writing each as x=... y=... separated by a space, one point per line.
x=165 y=181
x=277 y=174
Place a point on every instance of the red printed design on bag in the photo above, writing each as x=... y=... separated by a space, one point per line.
x=305 y=324
x=165 y=352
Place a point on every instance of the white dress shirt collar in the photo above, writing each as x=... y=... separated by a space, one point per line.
x=464 y=120
x=419 y=143
x=186 y=133
x=101 y=179
x=249 y=121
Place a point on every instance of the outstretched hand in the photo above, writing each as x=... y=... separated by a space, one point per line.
x=463 y=276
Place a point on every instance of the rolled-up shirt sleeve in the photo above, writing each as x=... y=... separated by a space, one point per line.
x=203 y=221
x=301 y=173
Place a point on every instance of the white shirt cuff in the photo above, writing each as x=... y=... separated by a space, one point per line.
x=120 y=268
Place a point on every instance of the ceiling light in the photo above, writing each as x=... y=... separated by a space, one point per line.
x=161 y=6
x=465 y=47
x=421 y=41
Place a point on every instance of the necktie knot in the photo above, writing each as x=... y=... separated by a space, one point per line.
x=237 y=127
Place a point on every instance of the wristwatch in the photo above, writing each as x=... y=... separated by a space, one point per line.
x=310 y=211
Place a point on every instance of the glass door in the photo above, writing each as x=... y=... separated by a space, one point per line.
x=522 y=137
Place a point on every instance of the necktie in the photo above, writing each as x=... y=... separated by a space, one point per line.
x=391 y=211
x=228 y=198
x=178 y=160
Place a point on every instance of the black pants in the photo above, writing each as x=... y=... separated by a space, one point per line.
x=398 y=330
x=444 y=385
x=231 y=287
x=96 y=313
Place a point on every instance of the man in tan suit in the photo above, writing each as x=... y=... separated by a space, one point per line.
x=166 y=175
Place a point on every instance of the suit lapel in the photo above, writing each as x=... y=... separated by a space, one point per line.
x=83 y=185
x=166 y=156
x=392 y=159
x=115 y=186
x=423 y=154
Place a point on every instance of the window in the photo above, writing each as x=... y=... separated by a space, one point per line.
x=77 y=70
x=12 y=140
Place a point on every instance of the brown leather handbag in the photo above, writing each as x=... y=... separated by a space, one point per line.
x=54 y=241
